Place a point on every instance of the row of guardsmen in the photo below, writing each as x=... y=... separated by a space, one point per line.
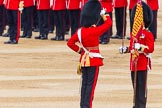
x=43 y=15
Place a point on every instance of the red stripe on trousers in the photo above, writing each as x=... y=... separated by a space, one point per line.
x=18 y=26
x=94 y=85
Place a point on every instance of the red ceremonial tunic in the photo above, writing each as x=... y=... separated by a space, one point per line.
x=12 y=4
x=90 y=38
x=73 y=4
x=107 y=4
x=59 y=5
x=1 y=2
x=154 y=4
x=146 y=39
x=43 y=4
x=132 y=3
x=120 y=3
x=28 y=3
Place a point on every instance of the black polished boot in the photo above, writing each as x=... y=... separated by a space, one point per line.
x=44 y=37
x=11 y=42
x=55 y=38
x=38 y=37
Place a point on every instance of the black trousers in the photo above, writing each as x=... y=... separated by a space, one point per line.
x=35 y=17
x=153 y=27
x=51 y=20
x=89 y=80
x=60 y=22
x=67 y=21
x=141 y=90
x=120 y=19
x=131 y=24
x=1 y=19
x=43 y=21
x=14 y=24
x=27 y=23
x=74 y=20
x=106 y=36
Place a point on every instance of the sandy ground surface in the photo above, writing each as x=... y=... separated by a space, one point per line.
x=42 y=74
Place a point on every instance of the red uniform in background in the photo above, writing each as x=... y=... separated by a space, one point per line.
x=13 y=15
x=120 y=18
x=154 y=5
x=73 y=7
x=108 y=5
x=1 y=2
x=59 y=8
x=28 y=3
x=43 y=4
x=132 y=3
x=120 y=3
x=59 y=5
x=73 y=4
x=43 y=7
x=26 y=19
x=12 y=4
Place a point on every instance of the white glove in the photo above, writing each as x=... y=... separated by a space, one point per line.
x=21 y=5
x=103 y=11
x=123 y=49
x=137 y=46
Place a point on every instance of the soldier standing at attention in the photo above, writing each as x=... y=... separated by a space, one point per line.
x=43 y=7
x=141 y=46
x=73 y=7
x=27 y=13
x=13 y=15
x=154 y=5
x=120 y=18
x=108 y=4
x=59 y=8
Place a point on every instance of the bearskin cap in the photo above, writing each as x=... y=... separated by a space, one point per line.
x=147 y=15
x=90 y=13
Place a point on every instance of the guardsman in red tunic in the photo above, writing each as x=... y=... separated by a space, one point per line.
x=43 y=7
x=51 y=18
x=154 y=5
x=13 y=15
x=90 y=60
x=120 y=18
x=73 y=7
x=1 y=18
x=59 y=8
x=108 y=5
x=144 y=45
x=131 y=5
x=27 y=18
